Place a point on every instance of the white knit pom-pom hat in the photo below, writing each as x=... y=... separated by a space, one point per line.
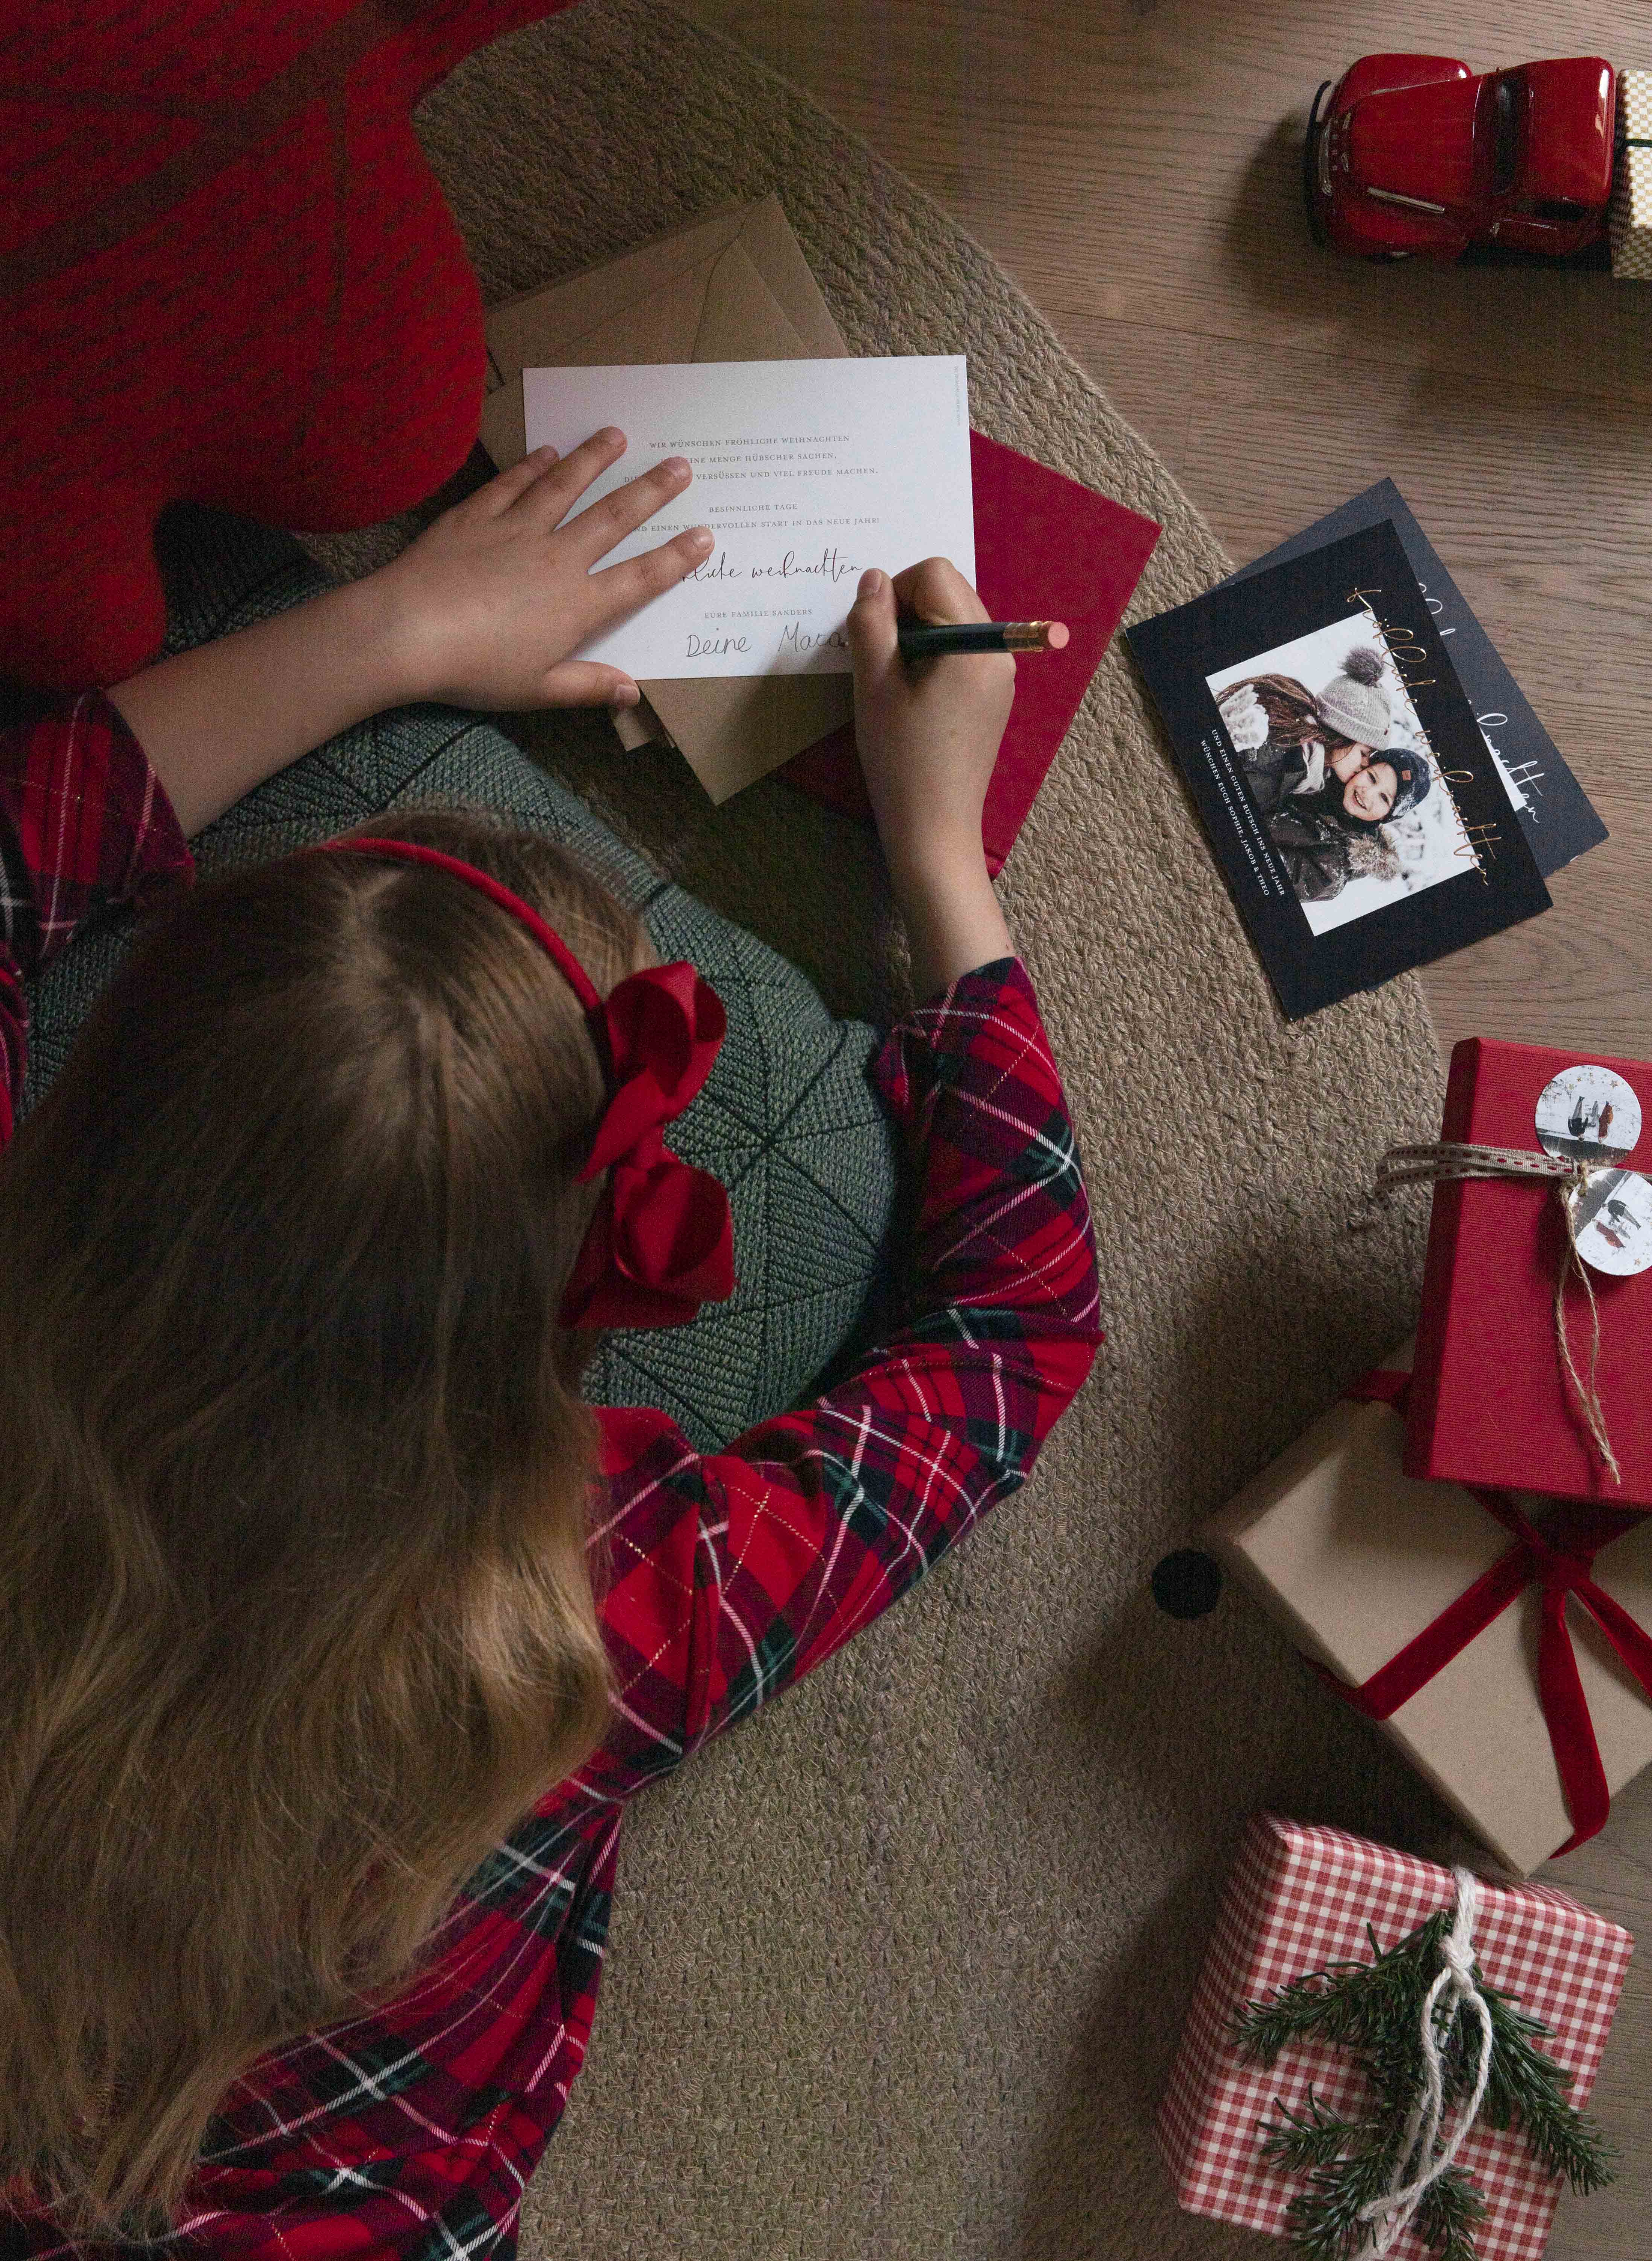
x=1351 y=703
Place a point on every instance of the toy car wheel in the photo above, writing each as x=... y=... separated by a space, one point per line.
x=1309 y=147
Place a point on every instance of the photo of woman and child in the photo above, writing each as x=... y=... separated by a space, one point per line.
x=1340 y=774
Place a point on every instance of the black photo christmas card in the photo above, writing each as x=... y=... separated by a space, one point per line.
x=1350 y=795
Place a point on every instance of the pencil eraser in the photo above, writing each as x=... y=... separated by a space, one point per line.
x=1055 y=636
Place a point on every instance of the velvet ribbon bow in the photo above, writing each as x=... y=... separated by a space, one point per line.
x=1560 y=1558
x=661 y=1242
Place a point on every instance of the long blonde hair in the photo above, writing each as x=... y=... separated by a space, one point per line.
x=296 y=1614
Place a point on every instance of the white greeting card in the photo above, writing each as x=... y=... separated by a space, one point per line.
x=806 y=471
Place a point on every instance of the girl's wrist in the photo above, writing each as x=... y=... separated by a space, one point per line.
x=400 y=645
x=953 y=925
x=217 y=720
x=926 y=859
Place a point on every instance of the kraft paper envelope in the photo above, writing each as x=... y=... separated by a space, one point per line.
x=730 y=286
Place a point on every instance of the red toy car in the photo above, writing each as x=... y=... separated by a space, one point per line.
x=1409 y=154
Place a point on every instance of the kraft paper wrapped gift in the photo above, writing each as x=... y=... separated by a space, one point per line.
x=1629 y=220
x=1300 y=1897
x=1356 y=1558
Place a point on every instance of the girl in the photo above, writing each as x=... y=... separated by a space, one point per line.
x=1289 y=741
x=338 y=1630
x=1320 y=835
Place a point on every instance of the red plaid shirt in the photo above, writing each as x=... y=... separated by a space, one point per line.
x=82 y=822
x=412 y=2132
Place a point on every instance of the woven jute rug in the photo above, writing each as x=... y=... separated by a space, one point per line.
x=897 y=1968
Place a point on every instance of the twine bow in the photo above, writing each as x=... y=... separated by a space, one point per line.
x=1451 y=1160
x=1456 y=1989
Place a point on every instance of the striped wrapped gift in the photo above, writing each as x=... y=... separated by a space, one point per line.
x=1629 y=222
x=1300 y=1897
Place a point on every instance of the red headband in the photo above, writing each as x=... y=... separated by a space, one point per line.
x=661 y=1242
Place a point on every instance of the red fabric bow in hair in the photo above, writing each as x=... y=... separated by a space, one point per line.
x=661 y=1242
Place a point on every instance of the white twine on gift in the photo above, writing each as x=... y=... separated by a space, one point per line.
x=1405 y=1165
x=1455 y=1992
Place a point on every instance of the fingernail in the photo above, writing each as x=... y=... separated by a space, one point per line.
x=871 y=582
x=677 y=465
x=626 y=694
x=547 y=454
x=611 y=436
x=700 y=538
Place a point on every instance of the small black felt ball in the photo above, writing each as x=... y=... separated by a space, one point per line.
x=1187 y=1583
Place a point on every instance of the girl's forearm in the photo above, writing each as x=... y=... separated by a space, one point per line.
x=952 y=917
x=217 y=721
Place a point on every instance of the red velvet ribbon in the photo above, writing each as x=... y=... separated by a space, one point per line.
x=661 y=1242
x=1560 y=1558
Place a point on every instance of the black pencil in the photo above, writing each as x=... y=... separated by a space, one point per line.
x=921 y=641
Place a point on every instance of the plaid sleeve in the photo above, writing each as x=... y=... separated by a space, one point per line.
x=734 y=1573
x=83 y=821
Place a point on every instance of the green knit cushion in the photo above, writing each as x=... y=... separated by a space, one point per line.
x=788 y=1119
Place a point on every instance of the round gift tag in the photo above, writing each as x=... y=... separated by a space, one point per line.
x=1588 y=1114
x=1612 y=1217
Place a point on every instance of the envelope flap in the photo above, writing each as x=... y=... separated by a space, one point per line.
x=502 y=432
x=665 y=327
x=740 y=317
x=582 y=321
x=767 y=240
x=536 y=327
x=733 y=730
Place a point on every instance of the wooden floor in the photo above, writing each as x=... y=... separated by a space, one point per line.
x=1135 y=165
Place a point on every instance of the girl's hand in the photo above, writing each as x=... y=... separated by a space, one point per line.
x=928 y=736
x=485 y=605
x=481 y=610
x=927 y=733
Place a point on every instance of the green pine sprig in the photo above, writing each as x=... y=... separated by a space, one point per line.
x=1527 y=2091
x=1448 y=2214
x=1373 y=2010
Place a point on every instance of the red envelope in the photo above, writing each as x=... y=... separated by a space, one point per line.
x=1489 y=1403
x=1046 y=548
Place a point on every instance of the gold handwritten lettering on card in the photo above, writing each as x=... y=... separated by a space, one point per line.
x=1475 y=843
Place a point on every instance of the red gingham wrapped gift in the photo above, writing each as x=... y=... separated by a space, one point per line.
x=1300 y=1897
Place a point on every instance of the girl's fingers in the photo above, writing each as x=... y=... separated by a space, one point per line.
x=596 y=531
x=935 y=591
x=872 y=628
x=584 y=683
x=501 y=493
x=553 y=494
x=618 y=591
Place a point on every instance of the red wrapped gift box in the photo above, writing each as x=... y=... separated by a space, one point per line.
x=1300 y=1897
x=1490 y=1404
